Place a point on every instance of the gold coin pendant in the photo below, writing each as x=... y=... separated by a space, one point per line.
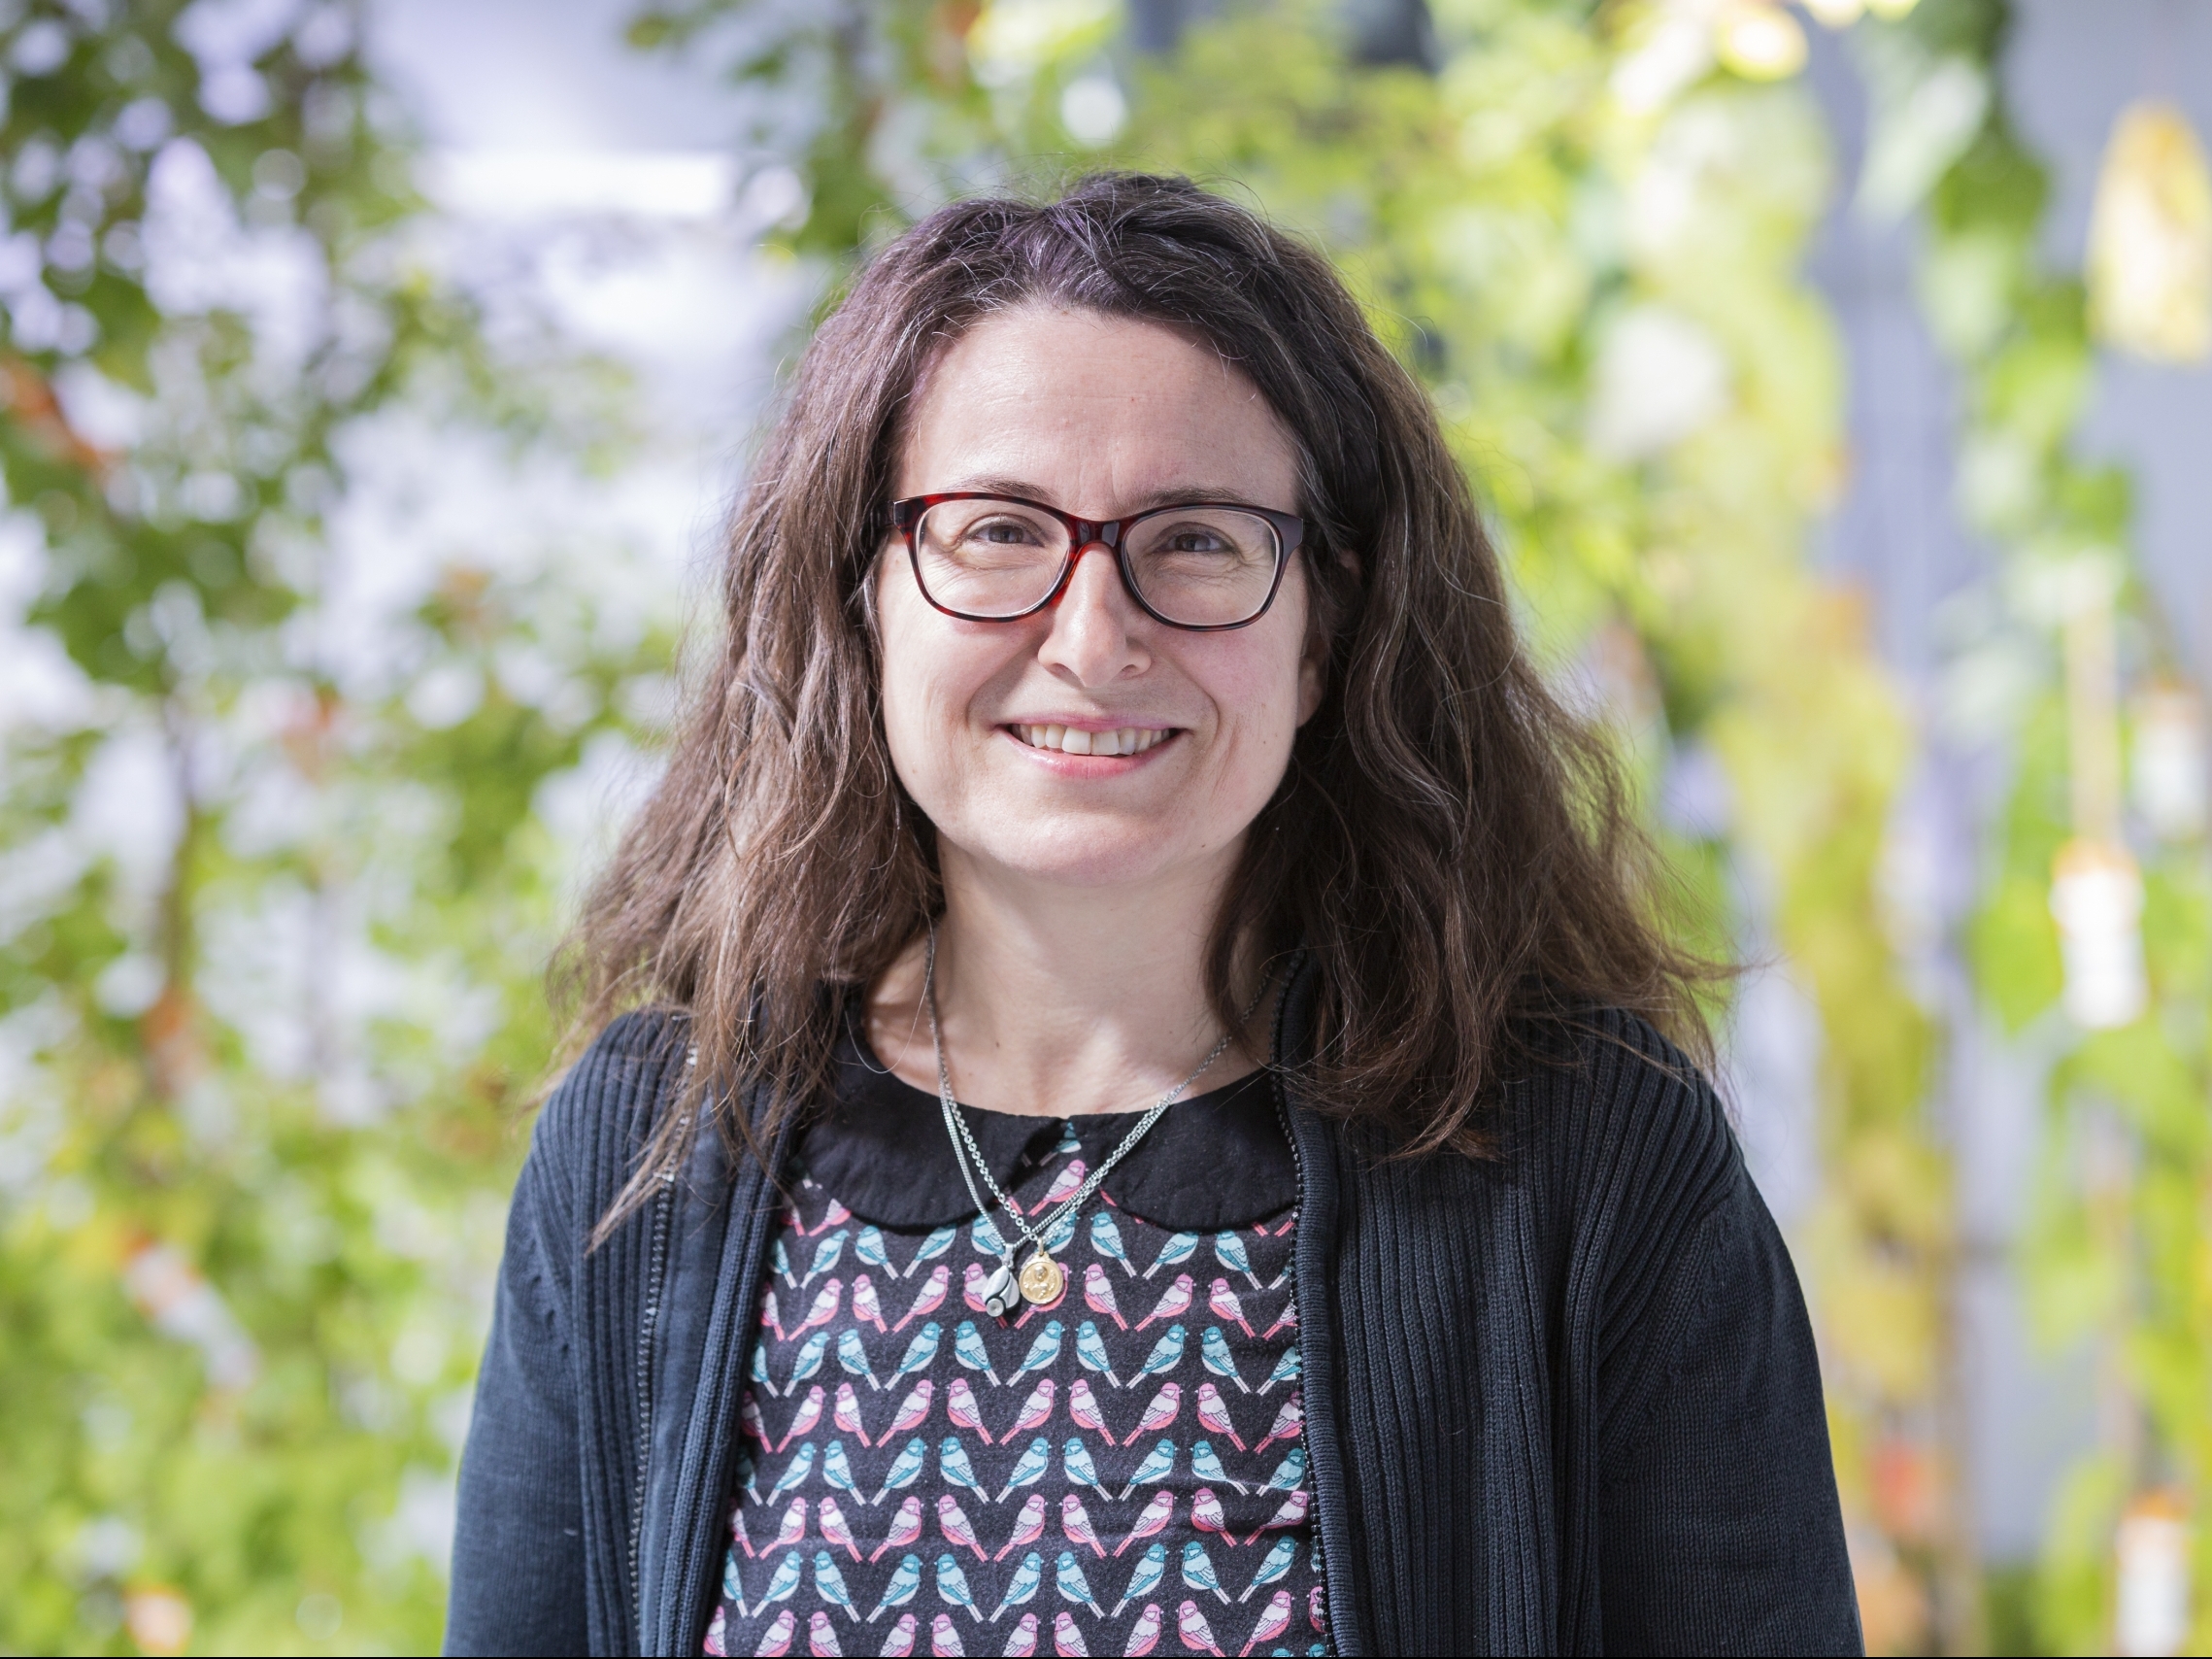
x=1042 y=1279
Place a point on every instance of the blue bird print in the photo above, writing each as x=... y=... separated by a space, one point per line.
x=952 y=1459
x=1090 y=1350
x=1151 y=1569
x=1277 y=1564
x=1073 y=1586
x=748 y=1472
x=1042 y=1352
x=1289 y=1473
x=906 y=1468
x=1106 y=1240
x=852 y=1356
x=1206 y=1465
x=1024 y=1584
x=1062 y=1234
x=733 y=1587
x=986 y=1238
x=795 y=1472
x=868 y=1246
x=1158 y=1464
x=968 y=1349
x=1030 y=1466
x=837 y=1469
x=1214 y=1350
x=1166 y=1354
x=953 y=1587
x=1077 y=1467
x=1286 y=1369
x=756 y=1370
x=1069 y=1146
x=1180 y=1247
x=1228 y=1250
x=906 y=1581
x=932 y=1247
x=1199 y=1570
x=808 y=1361
x=921 y=1351
x=826 y=1255
x=829 y=1583
x=779 y=1263
x=789 y=1572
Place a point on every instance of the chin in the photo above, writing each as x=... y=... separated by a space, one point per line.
x=1083 y=854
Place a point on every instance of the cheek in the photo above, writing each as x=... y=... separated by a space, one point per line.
x=930 y=672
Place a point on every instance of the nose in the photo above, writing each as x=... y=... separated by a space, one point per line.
x=1094 y=622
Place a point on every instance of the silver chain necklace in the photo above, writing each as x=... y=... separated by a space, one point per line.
x=1041 y=1279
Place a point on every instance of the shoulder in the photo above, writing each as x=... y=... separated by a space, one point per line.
x=602 y=1111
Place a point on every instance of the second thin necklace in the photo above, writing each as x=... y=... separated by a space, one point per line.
x=1041 y=1279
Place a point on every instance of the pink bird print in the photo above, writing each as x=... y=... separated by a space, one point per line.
x=1036 y=1410
x=1292 y=1512
x=772 y=1313
x=821 y=1637
x=776 y=1640
x=1068 y=1636
x=971 y=1287
x=905 y=1528
x=1024 y=1642
x=1166 y=1405
x=1074 y=1521
x=749 y=1418
x=929 y=1298
x=847 y=1414
x=1222 y=1301
x=865 y=1306
x=1316 y=1613
x=837 y=1215
x=807 y=1416
x=737 y=1530
x=1098 y=1293
x=1152 y=1519
x=1288 y=1321
x=793 y=1529
x=1272 y=1623
x=1174 y=1302
x=1197 y=1635
x=1083 y=1407
x=1207 y=1516
x=717 y=1632
x=1287 y=1422
x=953 y=1521
x=1213 y=1412
x=945 y=1638
x=961 y=1405
x=832 y=1520
x=900 y=1642
x=912 y=1410
x=1144 y=1635
x=1063 y=1188
x=1028 y=1525
x=824 y=1308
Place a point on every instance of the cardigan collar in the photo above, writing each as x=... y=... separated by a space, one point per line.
x=1213 y=1163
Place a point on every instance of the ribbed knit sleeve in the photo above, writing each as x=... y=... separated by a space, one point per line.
x=540 y=1544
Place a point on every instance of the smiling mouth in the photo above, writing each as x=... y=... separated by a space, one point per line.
x=1071 y=740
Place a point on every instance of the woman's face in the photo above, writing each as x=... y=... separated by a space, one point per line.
x=1101 y=418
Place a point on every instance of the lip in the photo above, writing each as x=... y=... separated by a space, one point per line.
x=1063 y=764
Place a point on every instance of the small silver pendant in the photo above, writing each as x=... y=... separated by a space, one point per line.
x=999 y=1290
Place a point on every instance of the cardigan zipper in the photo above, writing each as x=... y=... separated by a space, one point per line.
x=657 y=1271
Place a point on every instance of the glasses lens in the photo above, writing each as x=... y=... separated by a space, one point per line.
x=988 y=559
x=1205 y=566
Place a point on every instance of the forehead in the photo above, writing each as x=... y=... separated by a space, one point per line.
x=1071 y=399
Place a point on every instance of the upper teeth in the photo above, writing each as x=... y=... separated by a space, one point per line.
x=1070 y=740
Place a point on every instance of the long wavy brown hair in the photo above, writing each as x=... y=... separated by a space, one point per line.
x=1453 y=848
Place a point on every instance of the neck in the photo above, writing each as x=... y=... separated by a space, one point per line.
x=1057 y=1002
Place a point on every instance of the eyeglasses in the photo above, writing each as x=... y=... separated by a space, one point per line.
x=1205 y=566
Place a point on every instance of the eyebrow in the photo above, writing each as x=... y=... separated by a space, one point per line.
x=1182 y=495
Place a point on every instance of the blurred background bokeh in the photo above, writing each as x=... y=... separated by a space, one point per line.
x=373 y=377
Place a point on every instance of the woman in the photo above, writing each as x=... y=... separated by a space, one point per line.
x=1144 y=1123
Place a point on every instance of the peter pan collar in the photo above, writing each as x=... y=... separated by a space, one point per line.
x=1214 y=1162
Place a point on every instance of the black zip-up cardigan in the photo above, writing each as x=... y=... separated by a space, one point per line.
x=1564 y=1401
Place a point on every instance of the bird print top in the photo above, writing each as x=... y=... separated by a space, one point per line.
x=1122 y=1471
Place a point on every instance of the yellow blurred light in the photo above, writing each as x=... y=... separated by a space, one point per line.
x=1759 y=42
x=1890 y=7
x=1837 y=13
x=2150 y=238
